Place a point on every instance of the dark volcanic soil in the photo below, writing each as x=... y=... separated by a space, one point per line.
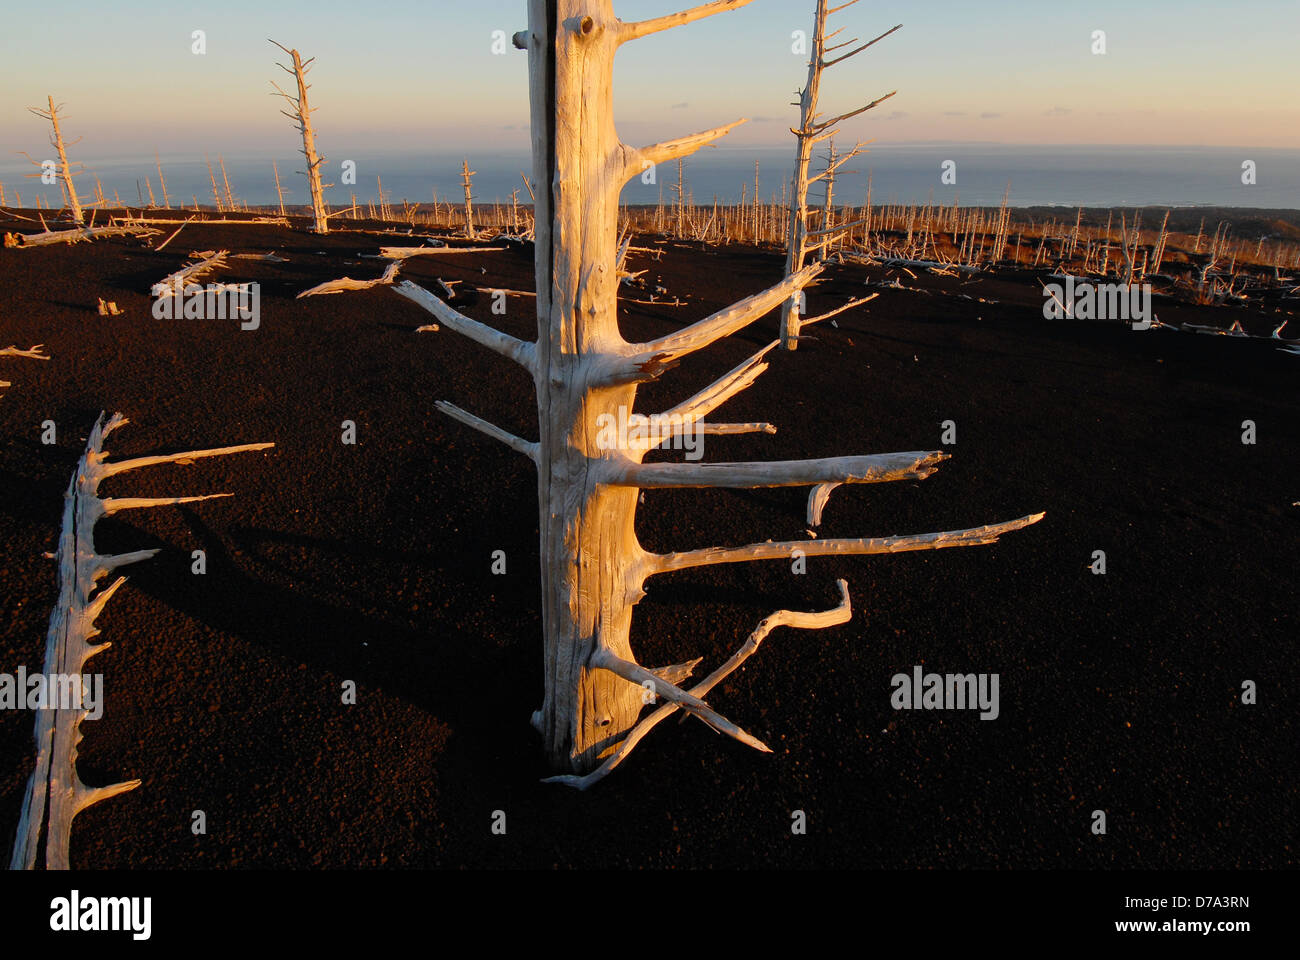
x=371 y=563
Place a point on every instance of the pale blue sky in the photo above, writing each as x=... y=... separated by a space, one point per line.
x=421 y=75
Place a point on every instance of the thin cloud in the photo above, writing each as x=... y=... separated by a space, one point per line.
x=989 y=115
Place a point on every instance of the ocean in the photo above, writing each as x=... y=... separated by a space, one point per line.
x=1066 y=176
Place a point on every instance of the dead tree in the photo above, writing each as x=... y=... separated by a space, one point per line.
x=466 y=173
x=64 y=169
x=679 y=191
x=216 y=195
x=586 y=375
x=55 y=793
x=828 y=208
x=1218 y=248
x=162 y=184
x=1158 y=254
x=279 y=192
x=811 y=131
x=302 y=117
x=1130 y=249
x=225 y=182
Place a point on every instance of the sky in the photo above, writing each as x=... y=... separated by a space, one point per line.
x=423 y=76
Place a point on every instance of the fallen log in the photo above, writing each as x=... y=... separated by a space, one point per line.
x=174 y=283
x=26 y=240
x=347 y=283
x=55 y=793
x=402 y=253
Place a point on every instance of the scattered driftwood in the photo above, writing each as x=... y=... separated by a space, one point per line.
x=55 y=793
x=347 y=283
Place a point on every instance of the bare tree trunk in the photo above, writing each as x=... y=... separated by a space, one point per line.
x=828 y=210
x=302 y=115
x=225 y=180
x=1158 y=255
x=162 y=184
x=216 y=196
x=65 y=170
x=681 y=198
x=279 y=193
x=811 y=131
x=586 y=377
x=466 y=173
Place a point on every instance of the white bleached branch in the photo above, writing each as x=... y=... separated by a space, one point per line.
x=817 y=499
x=838 y=310
x=347 y=283
x=638 y=160
x=517 y=350
x=874 y=468
x=781 y=618
x=635 y=673
x=724 y=388
x=403 y=253
x=526 y=447
x=31 y=353
x=650 y=359
x=974 y=536
x=643 y=28
x=175 y=283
